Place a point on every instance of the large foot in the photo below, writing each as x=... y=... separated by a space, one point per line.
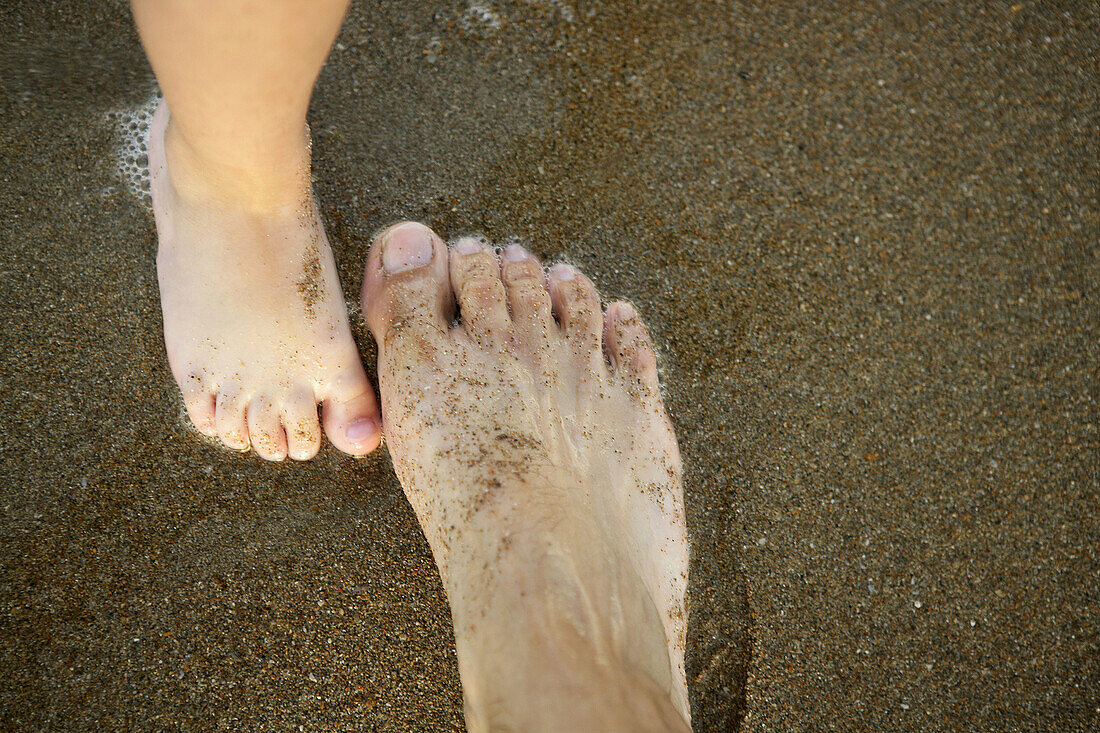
x=255 y=324
x=531 y=441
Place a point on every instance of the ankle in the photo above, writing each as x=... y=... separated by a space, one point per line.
x=555 y=679
x=554 y=639
x=269 y=182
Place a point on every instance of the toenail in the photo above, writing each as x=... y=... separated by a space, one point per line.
x=360 y=430
x=467 y=246
x=563 y=272
x=405 y=249
x=624 y=313
x=515 y=253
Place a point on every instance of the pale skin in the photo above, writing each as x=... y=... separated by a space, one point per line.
x=532 y=442
x=255 y=324
x=529 y=435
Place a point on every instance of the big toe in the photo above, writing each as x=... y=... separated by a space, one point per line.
x=406 y=286
x=350 y=413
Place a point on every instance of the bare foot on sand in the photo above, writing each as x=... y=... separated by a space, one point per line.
x=254 y=320
x=531 y=441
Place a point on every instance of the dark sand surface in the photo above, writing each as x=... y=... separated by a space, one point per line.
x=864 y=237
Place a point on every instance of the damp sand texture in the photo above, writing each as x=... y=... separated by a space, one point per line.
x=864 y=238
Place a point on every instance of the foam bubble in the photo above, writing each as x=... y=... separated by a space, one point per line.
x=564 y=9
x=132 y=154
x=479 y=15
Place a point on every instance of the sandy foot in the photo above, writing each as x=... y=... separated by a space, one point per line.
x=531 y=440
x=255 y=325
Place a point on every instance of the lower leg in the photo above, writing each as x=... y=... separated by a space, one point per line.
x=237 y=76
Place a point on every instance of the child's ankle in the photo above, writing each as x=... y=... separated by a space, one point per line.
x=267 y=183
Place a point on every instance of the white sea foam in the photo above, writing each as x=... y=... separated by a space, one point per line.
x=132 y=154
x=565 y=10
x=480 y=14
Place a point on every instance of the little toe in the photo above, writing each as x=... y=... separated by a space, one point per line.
x=628 y=346
x=475 y=278
x=229 y=417
x=406 y=285
x=351 y=417
x=199 y=401
x=303 y=431
x=577 y=308
x=528 y=298
x=265 y=430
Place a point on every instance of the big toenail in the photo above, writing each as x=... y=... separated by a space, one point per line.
x=563 y=272
x=405 y=249
x=467 y=246
x=514 y=253
x=360 y=430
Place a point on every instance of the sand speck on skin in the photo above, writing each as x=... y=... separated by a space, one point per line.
x=311 y=286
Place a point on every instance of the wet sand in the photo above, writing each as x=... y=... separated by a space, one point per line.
x=866 y=240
